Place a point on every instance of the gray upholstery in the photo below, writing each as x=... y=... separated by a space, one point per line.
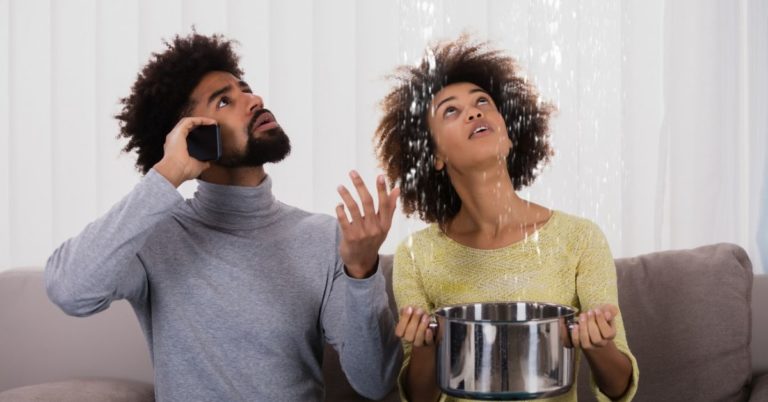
x=39 y=343
x=79 y=390
x=687 y=317
x=760 y=324
x=759 y=388
x=686 y=312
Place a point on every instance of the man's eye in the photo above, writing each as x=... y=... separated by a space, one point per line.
x=224 y=101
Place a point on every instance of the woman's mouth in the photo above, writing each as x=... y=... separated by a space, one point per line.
x=480 y=131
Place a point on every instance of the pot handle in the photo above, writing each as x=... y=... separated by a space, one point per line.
x=569 y=323
x=433 y=324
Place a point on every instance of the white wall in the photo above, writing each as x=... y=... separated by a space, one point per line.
x=660 y=134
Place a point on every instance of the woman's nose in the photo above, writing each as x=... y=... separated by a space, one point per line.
x=475 y=115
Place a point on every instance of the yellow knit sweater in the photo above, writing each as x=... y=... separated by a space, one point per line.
x=566 y=261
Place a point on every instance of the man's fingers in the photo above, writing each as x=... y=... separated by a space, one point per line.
x=365 y=197
x=386 y=215
x=381 y=188
x=341 y=215
x=351 y=204
x=186 y=124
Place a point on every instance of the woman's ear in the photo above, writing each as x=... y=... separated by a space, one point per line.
x=439 y=164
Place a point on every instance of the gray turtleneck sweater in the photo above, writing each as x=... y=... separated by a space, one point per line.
x=235 y=292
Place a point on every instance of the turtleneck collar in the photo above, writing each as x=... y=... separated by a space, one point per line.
x=235 y=207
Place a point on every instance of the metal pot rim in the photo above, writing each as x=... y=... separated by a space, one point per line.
x=570 y=314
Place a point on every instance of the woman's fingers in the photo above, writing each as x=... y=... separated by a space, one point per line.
x=595 y=337
x=607 y=330
x=584 y=332
x=413 y=326
x=405 y=316
x=575 y=339
x=421 y=330
x=429 y=337
x=594 y=329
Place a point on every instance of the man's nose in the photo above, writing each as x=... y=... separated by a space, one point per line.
x=255 y=103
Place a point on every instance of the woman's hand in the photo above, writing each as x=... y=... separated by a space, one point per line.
x=595 y=328
x=413 y=327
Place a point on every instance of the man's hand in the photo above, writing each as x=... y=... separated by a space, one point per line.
x=177 y=166
x=362 y=237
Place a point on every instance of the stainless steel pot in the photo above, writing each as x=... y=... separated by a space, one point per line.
x=512 y=351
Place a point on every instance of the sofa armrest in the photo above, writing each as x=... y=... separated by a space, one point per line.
x=759 y=388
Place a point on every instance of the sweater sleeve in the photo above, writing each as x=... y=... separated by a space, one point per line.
x=596 y=284
x=359 y=324
x=101 y=264
x=409 y=291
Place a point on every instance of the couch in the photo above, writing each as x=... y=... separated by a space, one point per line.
x=697 y=322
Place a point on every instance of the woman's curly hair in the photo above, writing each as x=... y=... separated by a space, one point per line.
x=405 y=148
x=160 y=95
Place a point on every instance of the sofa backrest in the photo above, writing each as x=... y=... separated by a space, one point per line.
x=39 y=343
x=687 y=316
x=760 y=324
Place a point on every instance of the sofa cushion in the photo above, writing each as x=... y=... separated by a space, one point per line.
x=82 y=390
x=687 y=317
x=46 y=345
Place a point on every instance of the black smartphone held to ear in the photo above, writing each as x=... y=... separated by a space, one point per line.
x=204 y=143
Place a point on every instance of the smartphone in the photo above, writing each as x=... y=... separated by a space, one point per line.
x=204 y=143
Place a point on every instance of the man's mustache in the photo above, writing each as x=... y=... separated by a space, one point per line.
x=256 y=116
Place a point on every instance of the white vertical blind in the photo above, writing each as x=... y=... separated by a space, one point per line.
x=660 y=133
x=291 y=98
x=73 y=136
x=333 y=106
x=5 y=129
x=30 y=153
x=117 y=65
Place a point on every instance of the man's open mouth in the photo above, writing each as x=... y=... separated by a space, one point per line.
x=263 y=120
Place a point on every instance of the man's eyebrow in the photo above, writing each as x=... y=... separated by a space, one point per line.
x=245 y=87
x=218 y=93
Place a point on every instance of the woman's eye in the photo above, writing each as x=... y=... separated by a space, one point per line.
x=482 y=101
x=449 y=111
x=224 y=101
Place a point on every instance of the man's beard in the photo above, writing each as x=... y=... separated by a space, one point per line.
x=269 y=146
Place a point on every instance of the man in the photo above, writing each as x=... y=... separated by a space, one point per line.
x=235 y=291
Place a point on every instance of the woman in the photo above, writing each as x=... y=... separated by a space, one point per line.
x=461 y=133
